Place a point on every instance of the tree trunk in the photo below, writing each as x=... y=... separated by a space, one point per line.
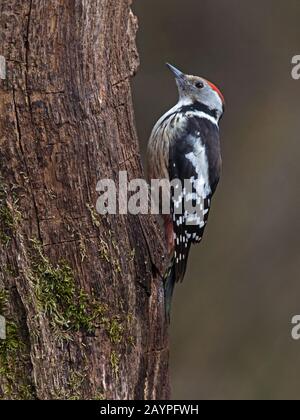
x=81 y=293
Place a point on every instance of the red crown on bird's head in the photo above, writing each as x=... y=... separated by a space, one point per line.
x=216 y=89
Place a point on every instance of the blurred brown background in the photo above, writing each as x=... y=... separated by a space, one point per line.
x=231 y=326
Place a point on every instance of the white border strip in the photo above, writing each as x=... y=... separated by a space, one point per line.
x=2 y=67
x=2 y=328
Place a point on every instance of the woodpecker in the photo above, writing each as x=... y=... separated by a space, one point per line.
x=185 y=146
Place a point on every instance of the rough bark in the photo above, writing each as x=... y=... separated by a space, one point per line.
x=82 y=294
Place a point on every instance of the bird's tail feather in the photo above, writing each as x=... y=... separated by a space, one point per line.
x=174 y=274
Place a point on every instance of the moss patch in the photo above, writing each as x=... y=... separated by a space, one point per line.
x=99 y=396
x=63 y=303
x=75 y=383
x=105 y=256
x=82 y=247
x=3 y=300
x=114 y=329
x=9 y=215
x=104 y=251
x=94 y=215
x=115 y=362
x=132 y=255
x=70 y=309
x=13 y=358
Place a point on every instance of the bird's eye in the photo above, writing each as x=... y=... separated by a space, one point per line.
x=199 y=85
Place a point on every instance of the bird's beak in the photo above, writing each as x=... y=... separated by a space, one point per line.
x=180 y=77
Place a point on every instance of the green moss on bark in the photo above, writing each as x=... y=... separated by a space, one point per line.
x=9 y=216
x=64 y=304
x=13 y=360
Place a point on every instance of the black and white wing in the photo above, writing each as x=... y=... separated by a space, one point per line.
x=194 y=169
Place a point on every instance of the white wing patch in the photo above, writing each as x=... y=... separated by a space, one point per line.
x=200 y=185
x=199 y=160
